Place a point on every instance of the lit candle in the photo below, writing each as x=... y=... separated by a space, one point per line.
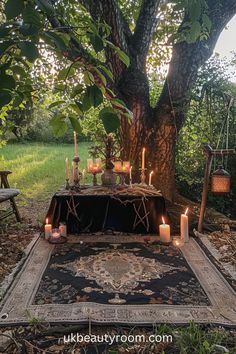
x=67 y=168
x=130 y=175
x=47 y=230
x=72 y=172
x=75 y=144
x=184 y=234
x=143 y=159
x=164 y=230
x=126 y=166
x=118 y=166
x=150 y=178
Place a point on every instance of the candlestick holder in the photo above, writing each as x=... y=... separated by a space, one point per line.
x=95 y=182
x=143 y=176
x=76 y=160
x=122 y=176
x=67 y=184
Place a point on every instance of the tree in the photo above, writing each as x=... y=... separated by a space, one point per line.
x=118 y=34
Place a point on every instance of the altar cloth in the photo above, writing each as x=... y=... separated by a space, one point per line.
x=135 y=209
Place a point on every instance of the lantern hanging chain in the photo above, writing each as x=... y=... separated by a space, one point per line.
x=224 y=130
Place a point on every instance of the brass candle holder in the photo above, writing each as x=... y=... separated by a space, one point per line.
x=143 y=176
x=67 y=184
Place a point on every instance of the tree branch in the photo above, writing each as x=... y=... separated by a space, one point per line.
x=145 y=26
x=187 y=59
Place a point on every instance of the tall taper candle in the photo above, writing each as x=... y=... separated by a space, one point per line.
x=184 y=234
x=130 y=175
x=75 y=144
x=143 y=159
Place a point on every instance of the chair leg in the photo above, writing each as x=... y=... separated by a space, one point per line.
x=15 y=209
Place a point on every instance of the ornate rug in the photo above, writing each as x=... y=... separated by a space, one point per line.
x=116 y=273
x=105 y=281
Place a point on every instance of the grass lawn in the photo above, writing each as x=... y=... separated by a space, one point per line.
x=39 y=169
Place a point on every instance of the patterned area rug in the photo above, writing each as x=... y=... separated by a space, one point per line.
x=101 y=280
x=132 y=273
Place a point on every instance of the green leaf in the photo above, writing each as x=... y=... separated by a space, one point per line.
x=110 y=120
x=195 y=10
x=5 y=98
x=29 y=50
x=12 y=9
x=31 y=15
x=206 y=22
x=88 y=78
x=95 y=95
x=75 y=124
x=107 y=72
x=7 y=82
x=123 y=57
x=60 y=41
x=28 y=29
x=58 y=125
x=18 y=100
x=86 y=102
x=76 y=108
x=45 y=6
x=96 y=42
x=4 y=46
x=19 y=70
x=77 y=90
x=4 y=31
x=101 y=76
x=194 y=32
x=66 y=73
x=54 y=104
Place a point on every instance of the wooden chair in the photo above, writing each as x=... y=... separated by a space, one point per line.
x=7 y=193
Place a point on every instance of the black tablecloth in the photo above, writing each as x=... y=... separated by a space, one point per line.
x=94 y=213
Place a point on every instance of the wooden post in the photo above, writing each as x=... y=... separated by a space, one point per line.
x=208 y=152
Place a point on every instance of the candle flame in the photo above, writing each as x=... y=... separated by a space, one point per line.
x=163 y=220
x=144 y=149
x=47 y=221
x=186 y=211
x=151 y=173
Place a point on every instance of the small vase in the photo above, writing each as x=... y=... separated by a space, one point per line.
x=108 y=178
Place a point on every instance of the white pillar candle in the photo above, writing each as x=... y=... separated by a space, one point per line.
x=184 y=234
x=130 y=175
x=72 y=172
x=164 y=230
x=75 y=144
x=150 y=178
x=47 y=230
x=67 y=168
x=143 y=158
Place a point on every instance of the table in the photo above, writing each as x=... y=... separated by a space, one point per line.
x=134 y=209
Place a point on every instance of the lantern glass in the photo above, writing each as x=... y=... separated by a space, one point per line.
x=220 y=181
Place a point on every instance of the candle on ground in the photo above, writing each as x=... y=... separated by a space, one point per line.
x=75 y=144
x=143 y=159
x=164 y=230
x=67 y=168
x=184 y=234
x=150 y=178
x=47 y=230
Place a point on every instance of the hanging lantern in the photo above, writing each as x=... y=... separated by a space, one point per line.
x=220 y=181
